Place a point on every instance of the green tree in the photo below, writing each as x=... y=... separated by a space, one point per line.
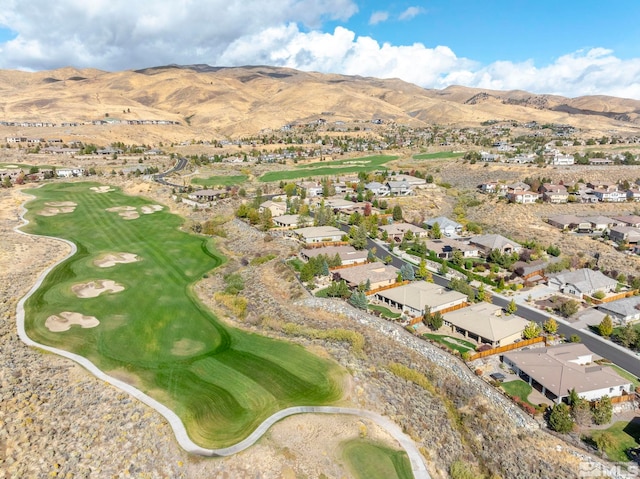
x=581 y=412
x=602 y=410
x=359 y=300
x=407 y=272
x=560 y=419
x=436 y=233
x=604 y=440
x=550 y=326
x=422 y=269
x=605 y=328
x=396 y=214
x=444 y=268
x=627 y=336
x=359 y=237
x=574 y=338
x=512 y=307
x=531 y=330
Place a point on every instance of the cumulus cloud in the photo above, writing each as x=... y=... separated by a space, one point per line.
x=411 y=12
x=119 y=34
x=378 y=17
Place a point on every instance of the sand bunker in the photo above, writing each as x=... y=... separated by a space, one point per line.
x=102 y=189
x=57 y=207
x=112 y=259
x=126 y=212
x=66 y=319
x=96 y=288
x=147 y=210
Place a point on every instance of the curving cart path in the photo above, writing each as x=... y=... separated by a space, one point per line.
x=418 y=466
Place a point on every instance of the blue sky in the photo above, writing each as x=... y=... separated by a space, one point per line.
x=567 y=48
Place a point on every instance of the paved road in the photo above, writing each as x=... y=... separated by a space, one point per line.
x=418 y=465
x=160 y=177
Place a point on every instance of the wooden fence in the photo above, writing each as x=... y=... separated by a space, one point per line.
x=608 y=299
x=508 y=347
x=623 y=398
x=389 y=286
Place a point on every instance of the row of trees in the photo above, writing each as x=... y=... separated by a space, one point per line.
x=563 y=417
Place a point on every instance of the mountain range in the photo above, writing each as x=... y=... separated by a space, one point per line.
x=237 y=101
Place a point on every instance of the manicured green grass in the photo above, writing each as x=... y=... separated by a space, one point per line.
x=386 y=312
x=456 y=344
x=330 y=168
x=213 y=181
x=367 y=460
x=626 y=436
x=518 y=388
x=439 y=156
x=221 y=381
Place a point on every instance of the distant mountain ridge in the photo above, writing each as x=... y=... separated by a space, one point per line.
x=232 y=101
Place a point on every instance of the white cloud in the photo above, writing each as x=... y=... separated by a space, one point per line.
x=378 y=17
x=121 y=34
x=411 y=12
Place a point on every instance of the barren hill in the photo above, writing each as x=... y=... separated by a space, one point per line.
x=231 y=102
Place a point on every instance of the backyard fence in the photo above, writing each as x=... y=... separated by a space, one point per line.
x=509 y=347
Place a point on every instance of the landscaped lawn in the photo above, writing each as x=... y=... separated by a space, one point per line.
x=330 y=168
x=519 y=389
x=456 y=344
x=626 y=435
x=386 y=312
x=440 y=155
x=213 y=181
x=155 y=333
x=368 y=460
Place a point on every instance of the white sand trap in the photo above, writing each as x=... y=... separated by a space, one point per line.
x=102 y=189
x=126 y=212
x=96 y=288
x=57 y=207
x=66 y=319
x=147 y=210
x=112 y=259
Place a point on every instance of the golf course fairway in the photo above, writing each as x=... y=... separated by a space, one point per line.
x=125 y=302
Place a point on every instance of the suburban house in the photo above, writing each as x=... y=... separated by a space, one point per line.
x=378 y=274
x=570 y=222
x=522 y=196
x=399 y=188
x=486 y=323
x=447 y=227
x=445 y=247
x=582 y=282
x=489 y=242
x=629 y=220
x=348 y=254
x=559 y=159
x=600 y=223
x=286 y=221
x=530 y=273
x=69 y=172
x=414 y=298
x=610 y=196
x=206 y=195
x=319 y=234
x=557 y=370
x=311 y=188
x=554 y=193
x=624 y=311
x=625 y=234
x=413 y=181
x=493 y=187
x=397 y=231
x=377 y=188
x=277 y=208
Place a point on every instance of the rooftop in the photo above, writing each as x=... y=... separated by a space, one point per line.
x=487 y=320
x=419 y=294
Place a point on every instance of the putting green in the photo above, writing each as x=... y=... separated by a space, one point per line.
x=222 y=382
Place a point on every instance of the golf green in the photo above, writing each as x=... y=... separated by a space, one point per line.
x=150 y=329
